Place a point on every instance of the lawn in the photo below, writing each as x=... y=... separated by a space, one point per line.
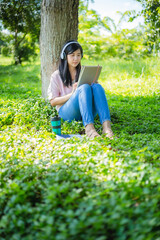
x=79 y=188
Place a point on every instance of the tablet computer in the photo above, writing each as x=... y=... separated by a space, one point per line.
x=89 y=75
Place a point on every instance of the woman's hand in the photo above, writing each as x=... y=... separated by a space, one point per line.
x=74 y=87
x=61 y=100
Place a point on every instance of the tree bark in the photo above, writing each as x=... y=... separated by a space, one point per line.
x=59 y=23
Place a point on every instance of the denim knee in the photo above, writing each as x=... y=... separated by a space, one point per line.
x=97 y=85
x=84 y=87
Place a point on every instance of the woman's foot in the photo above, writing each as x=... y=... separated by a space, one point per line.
x=91 y=131
x=107 y=129
x=109 y=133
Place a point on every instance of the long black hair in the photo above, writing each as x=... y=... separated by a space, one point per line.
x=63 y=65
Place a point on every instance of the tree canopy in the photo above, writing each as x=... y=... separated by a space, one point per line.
x=24 y=30
x=21 y=18
x=151 y=13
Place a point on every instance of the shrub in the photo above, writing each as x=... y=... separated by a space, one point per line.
x=5 y=51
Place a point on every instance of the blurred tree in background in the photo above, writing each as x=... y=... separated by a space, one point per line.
x=89 y=31
x=22 y=19
x=151 y=13
x=100 y=37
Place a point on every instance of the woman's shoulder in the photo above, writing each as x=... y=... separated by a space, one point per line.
x=55 y=76
x=55 y=73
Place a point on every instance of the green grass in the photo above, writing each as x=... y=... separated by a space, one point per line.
x=79 y=188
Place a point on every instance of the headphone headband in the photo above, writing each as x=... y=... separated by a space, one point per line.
x=66 y=45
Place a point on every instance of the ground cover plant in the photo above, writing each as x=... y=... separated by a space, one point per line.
x=79 y=188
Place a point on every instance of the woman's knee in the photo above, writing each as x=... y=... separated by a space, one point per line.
x=97 y=86
x=84 y=87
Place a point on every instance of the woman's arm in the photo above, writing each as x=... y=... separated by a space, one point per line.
x=63 y=99
x=60 y=100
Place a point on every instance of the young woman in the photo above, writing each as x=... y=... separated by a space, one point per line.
x=82 y=103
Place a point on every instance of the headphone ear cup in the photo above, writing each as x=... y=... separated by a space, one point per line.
x=64 y=55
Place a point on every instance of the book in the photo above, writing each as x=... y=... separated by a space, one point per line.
x=89 y=75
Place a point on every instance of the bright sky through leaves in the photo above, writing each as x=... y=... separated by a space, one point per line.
x=110 y=7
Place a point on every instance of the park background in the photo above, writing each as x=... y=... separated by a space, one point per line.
x=79 y=188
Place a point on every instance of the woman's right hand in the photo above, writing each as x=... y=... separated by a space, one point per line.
x=74 y=87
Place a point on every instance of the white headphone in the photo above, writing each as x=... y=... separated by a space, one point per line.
x=63 y=55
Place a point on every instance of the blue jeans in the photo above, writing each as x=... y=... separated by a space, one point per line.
x=85 y=103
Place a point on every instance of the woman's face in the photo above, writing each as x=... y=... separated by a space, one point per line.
x=74 y=58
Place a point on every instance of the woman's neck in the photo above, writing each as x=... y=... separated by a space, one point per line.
x=72 y=69
x=73 y=72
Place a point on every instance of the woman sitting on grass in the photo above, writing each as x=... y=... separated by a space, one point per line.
x=82 y=103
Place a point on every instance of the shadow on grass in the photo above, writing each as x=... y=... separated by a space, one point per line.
x=69 y=192
x=18 y=82
x=79 y=191
x=135 y=114
x=139 y=114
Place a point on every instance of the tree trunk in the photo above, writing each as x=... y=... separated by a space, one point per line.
x=59 y=23
x=16 y=59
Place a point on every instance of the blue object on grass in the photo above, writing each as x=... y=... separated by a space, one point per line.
x=68 y=136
